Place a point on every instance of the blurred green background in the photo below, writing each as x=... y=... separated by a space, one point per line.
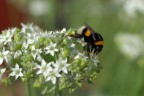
x=120 y=22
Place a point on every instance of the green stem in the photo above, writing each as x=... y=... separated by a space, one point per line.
x=57 y=91
x=28 y=88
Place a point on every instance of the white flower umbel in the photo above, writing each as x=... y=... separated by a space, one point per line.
x=17 y=72
x=61 y=65
x=44 y=68
x=51 y=49
x=47 y=57
x=3 y=56
x=52 y=75
x=2 y=70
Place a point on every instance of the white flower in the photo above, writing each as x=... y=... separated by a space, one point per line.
x=36 y=52
x=81 y=41
x=73 y=45
x=39 y=7
x=129 y=44
x=3 y=55
x=7 y=36
x=51 y=49
x=52 y=75
x=2 y=70
x=59 y=32
x=48 y=72
x=27 y=28
x=25 y=45
x=44 y=68
x=63 y=30
x=95 y=61
x=30 y=41
x=39 y=58
x=80 y=55
x=17 y=54
x=61 y=65
x=16 y=72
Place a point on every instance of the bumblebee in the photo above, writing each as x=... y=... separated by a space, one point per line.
x=93 y=39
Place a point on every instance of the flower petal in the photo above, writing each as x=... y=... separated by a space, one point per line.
x=1 y=61
x=53 y=79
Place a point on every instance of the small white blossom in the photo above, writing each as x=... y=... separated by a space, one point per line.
x=17 y=72
x=96 y=61
x=63 y=30
x=39 y=58
x=47 y=34
x=27 y=28
x=51 y=49
x=44 y=68
x=80 y=55
x=7 y=36
x=30 y=41
x=3 y=56
x=2 y=70
x=62 y=53
x=61 y=65
x=81 y=41
x=52 y=75
x=33 y=48
x=36 y=53
x=17 y=54
x=25 y=45
x=72 y=45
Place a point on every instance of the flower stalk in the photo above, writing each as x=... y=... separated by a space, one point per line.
x=28 y=88
x=58 y=92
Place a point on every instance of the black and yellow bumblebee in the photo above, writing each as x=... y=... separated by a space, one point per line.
x=93 y=39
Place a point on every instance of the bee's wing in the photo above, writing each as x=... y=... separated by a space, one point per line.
x=101 y=38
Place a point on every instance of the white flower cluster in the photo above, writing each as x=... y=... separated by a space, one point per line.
x=131 y=7
x=52 y=56
x=52 y=70
x=130 y=44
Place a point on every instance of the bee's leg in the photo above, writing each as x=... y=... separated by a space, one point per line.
x=95 y=51
x=90 y=51
x=78 y=36
x=98 y=49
